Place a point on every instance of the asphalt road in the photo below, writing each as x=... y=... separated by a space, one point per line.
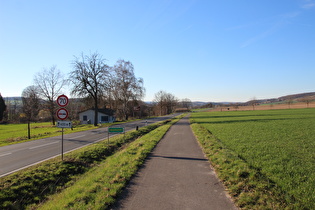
x=176 y=175
x=19 y=156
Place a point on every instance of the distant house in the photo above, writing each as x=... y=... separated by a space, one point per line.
x=104 y=116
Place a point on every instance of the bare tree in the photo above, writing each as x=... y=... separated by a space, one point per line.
x=13 y=109
x=289 y=101
x=253 y=102
x=171 y=103
x=236 y=106
x=50 y=83
x=307 y=100
x=186 y=103
x=166 y=102
x=126 y=88
x=74 y=107
x=90 y=78
x=159 y=99
x=31 y=103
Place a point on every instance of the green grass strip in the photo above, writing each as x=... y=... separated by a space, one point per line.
x=100 y=186
x=249 y=188
x=34 y=184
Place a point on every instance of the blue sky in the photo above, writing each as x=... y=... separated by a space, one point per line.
x=204 y=50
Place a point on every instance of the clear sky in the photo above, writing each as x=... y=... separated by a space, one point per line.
x=204 y=50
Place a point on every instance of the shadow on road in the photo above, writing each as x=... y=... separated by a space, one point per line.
x=179 y=158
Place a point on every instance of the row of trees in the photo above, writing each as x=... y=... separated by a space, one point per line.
x=115 y=86
x=97 y=85
x=92 y=79
x=166 y=103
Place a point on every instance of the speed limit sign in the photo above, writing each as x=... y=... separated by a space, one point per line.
x=62 y=100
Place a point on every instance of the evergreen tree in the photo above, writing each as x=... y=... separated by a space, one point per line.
x=2 y=107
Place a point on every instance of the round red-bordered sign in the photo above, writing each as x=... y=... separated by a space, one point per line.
x=62 y=100
x=62 y=114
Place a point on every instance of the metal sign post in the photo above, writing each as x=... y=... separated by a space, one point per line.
x=62 y=144
x=115 y=130
x=62 y=114
x=62 y=125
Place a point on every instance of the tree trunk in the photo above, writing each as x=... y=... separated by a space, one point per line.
x=29 y=129
x=53 y=118
x=52 y=112
x=96 y=112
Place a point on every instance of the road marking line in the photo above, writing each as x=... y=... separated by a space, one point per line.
x=77 y=137
x=43 y=145
x=5 y=154
x=2 y=175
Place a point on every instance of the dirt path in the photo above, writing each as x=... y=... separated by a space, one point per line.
x=176 y=176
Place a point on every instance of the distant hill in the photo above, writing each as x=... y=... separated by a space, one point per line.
x=198 y=103
x=297 y=97
x=293 y=97
x=282 y=99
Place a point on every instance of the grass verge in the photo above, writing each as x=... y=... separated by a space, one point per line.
x=34 y=184
x=100 y=186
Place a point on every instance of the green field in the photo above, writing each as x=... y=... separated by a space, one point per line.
x=16 y=133
x=280 y=144
x=11 y=133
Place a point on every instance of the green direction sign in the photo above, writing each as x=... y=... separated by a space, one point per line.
x=115 y=130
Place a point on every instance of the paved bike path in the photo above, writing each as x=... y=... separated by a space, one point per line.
x=176 y=175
